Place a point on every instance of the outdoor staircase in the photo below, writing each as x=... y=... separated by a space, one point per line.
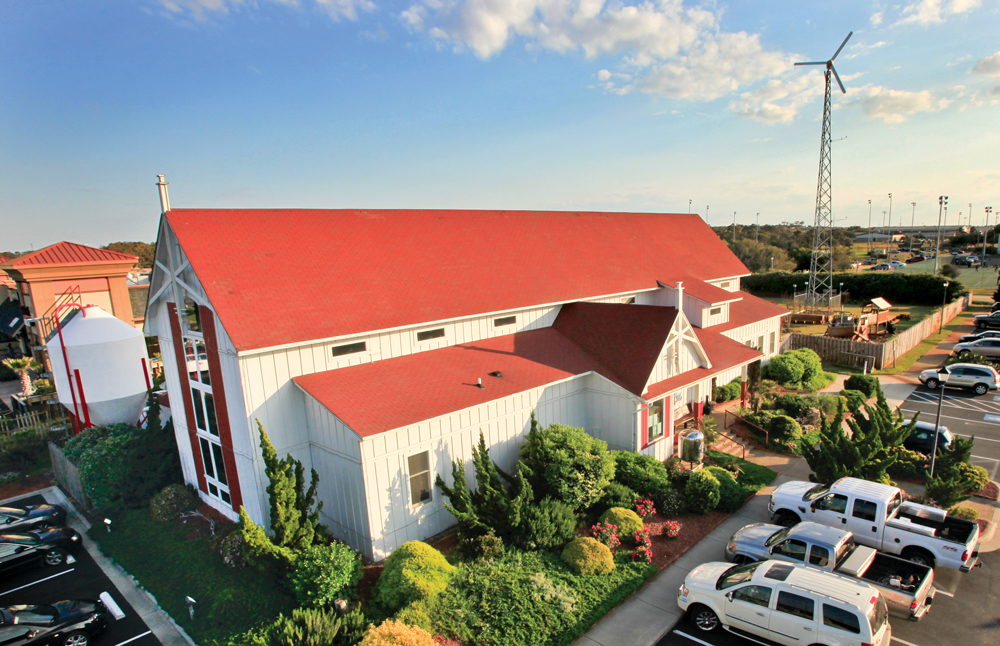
x=730 y=445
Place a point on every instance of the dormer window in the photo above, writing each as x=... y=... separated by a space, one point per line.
x=504 y=320
x=427 y=335
x=349 y=348
x=715 y=311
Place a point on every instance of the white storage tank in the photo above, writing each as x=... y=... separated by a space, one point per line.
x=111 y=357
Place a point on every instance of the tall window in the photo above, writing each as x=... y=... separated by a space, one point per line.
x=419 y=468
x=654 y=427
x=203 y=403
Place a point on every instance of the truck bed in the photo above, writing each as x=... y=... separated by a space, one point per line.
x=952 y=529
x=886 y=566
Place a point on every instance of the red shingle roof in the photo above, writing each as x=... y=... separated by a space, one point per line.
x=710 y=294
x=625 y=338
x=332 y=273
x=70 y=253
x=380 y=396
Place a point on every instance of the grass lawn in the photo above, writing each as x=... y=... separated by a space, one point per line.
x=171 y=564
x=753 y=476
x=984 y=278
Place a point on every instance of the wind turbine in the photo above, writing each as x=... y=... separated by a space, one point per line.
x=821 y=263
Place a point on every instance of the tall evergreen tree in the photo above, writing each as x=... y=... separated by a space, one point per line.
x=294 y=522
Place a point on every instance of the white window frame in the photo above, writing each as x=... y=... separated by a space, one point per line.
x=410 y=476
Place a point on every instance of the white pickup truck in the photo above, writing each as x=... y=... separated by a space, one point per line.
x=878 y=517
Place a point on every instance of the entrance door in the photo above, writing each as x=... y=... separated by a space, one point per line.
x=747 y=608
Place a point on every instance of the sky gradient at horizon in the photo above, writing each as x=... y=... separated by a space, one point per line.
x=494 y=104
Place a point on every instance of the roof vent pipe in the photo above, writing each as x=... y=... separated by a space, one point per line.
x=680 y=296
x=164 y=196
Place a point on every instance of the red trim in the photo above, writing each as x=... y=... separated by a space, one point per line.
x=186 y=399
x=145 y=373
x=645 y=426
x=83 y=400
x=207 y=318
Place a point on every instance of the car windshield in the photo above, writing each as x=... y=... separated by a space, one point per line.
x=777 y=536
x=815 y=492
x=34 y=615
x=736 y=575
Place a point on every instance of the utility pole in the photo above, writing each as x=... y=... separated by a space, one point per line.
x=890 y=217
x=757 y=231
x=986 y=232
x=734 y=227
x=913 y=215
x=942 y=201
x=869 y=227
x=689 y=206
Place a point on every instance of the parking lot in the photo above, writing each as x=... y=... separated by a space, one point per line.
x=964 y=612
x=79 y=578
x=965 y=414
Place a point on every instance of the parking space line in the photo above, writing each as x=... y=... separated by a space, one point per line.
x=127 y=641
x=28 y=585
x=904 y=642
x=953 y=417
x=692 y=638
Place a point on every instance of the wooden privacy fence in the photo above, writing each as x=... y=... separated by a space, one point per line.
x=876 y=355
x=68 y=475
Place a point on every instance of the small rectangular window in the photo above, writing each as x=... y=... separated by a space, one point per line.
x=841 y=619
x=199 y=409
x=715 y=311
x=419 y=467
x=629 y=301
x=794 y=604
x=427 y=335
x=864 y=509
x=504 y=320
x=349 y=348
x=654 y=428
x=819 y=556
x=724 y=285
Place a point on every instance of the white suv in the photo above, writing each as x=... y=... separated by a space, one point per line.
x=784 y=603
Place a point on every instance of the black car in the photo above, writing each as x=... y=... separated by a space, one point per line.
x=48 y=545
x=986 y=334
x=988 y=321
x=22 y=518
x=995 y=307
x=63 y=623
x=921 y=438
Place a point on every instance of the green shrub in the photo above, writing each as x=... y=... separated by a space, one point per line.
x=795 y=405
x=616 y=495
x=643 y=474
x=868 y=385
x=231 y=547
x=172 y=501
x=478 y=547
x=396 y=633
x=784 y=428
x=414 y=571
x=731 y=494
x=587 y=555
x=6 y=374
x=786 y=369
x=670 y=502
x=811 y=363
x=702 y=492
x=314 y=627
x=104 y=467
x=727 y=392
x=965 y=513
x=855 y=398
x=417 y=614
x=947 y=489
x=547 y=524
x=896 y=287
x=975 y=476
x=908 y=465
x=628 y=521
x=23 y=451
x=321 y=574
x=568 y=464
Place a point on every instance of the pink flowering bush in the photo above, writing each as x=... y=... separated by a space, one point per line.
x=644 y=507
x=643 y=546
x=606 y=533
x=671 y=529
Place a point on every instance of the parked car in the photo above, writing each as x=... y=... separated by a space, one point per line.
x=986 y=334
x=995 y=307
x=895 y=264
x=63 y=623
x=968 y=261
x=921 y=438
x=881 y=267
x=30 y=516
x=955 y=252
x=48 y=545
x=908 y=587
x=988 y=321
x=869 y=261
x=913 y=259
x=784 y=604
x=983 y=347
x=878 y=517
x=980 y=379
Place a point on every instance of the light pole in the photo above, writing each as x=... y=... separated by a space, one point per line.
x=942 y=200
x=942 y=374
x=913 y=216
x=869 y=227
x=890 y=217
x=689 y=206
x=734 y=227
x=986 y=232
x=757 y=230
x=706 y=214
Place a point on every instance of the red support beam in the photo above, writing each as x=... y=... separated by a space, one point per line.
x=186 y=400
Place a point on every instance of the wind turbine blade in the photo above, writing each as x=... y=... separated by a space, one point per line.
x=837 y=76
x=813 y=63
x=834 y=57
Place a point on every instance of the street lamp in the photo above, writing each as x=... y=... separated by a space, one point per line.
x=757 y=235
x=986 y=232
x=689 y=206
x=869 y=227
x=942 y=201
x=942 y=376
x=913 y=215
x=890 y=216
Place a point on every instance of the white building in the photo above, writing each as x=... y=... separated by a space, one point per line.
x=375 y=346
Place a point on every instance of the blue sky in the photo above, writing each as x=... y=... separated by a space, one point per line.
x=520 y=104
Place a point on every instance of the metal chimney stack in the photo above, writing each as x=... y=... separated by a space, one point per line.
x=164 y=196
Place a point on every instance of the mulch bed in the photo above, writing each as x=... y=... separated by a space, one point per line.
x=27 y=484
x=990 y=492
x=694 y=527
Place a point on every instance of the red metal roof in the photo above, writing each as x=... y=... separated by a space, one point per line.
x=375 y=397
x=330 y=273
x=710 y=294
x=750 y=310
x=723 y=352
x=70 y=253
x=626 y=338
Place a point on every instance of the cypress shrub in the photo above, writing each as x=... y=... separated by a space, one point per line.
x=702 y=492
x=414 y=571
x=866 y=384
x=628 y=521
x=587 y=555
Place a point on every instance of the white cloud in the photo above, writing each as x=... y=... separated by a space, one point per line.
x=200 y=10
x=989 y=65
x=877 y=18
x=932 y=12
x=778 y=100
x=895 y=106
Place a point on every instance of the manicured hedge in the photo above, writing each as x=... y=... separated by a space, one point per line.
x=897 y=288
x=414 y=572
x=868 y=385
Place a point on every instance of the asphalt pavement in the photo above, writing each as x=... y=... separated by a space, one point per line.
x=964 y=612
x=79 y=578
x=964 y=414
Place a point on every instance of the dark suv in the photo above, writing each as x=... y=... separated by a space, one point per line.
x=988 y=321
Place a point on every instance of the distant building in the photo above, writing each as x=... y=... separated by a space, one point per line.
x=878 y=237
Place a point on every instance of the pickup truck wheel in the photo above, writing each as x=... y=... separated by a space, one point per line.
x=917 y=555
x=703 y=618
x=786 y=518
x=933 y=383
x=980 y=389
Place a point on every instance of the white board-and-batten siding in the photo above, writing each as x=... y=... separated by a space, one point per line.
x=753 y=333
x=374 y=514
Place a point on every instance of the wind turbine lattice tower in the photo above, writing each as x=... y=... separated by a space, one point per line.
x=821 y=261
